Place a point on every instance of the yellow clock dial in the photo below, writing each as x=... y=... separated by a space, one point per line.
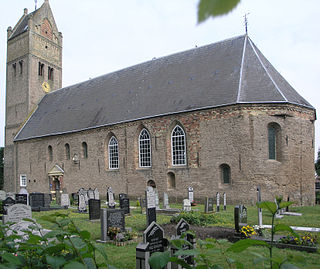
x=46 y=87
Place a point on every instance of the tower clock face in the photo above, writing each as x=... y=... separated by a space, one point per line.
x=46 y=87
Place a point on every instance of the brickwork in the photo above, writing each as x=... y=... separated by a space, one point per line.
x=235 y=135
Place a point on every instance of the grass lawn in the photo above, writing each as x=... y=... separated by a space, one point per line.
x=124 y=257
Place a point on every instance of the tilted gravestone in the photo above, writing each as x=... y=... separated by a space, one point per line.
x=17 y=212
x=166 y=201
x=110 y=198
x=65 y=201
x=94 y=209
x=209 y=205
x=151 y=206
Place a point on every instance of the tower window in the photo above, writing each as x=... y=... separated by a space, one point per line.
x=14 y=67
x=50 y=73
x=21 y=66
x=67 y=148
x=40 y=69
x=50 y=153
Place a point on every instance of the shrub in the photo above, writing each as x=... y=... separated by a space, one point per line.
x=195 y=218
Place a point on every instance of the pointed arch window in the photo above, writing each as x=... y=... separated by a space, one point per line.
x=178 y=146
x=113 y=153
x=144 y=149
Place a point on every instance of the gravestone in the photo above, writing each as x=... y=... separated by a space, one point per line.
x=240 y=217
x=209 y=205
x=22 y=199
x=154 y=237
x=143 y=204
x=7 y=203
x=186 y=205
x=58 y=197
x=165 y=201
x=82 y=207
x=156 y=195
x=47 y=199
x=90 y=194
x=259 y=209
x=96 y=194
x=94 y=209
x=125 y=204
x=65 y=201
x=10 y=194
x=17 y=212
x=183 y=227
x=24 y=191
x=116 y=219
x=2 y=195
x=75 y=198
x=122 y=195
x=218 y=201
x=86 y=197
x=224 y=201
x=110 y=198
x=36 y=199
x=190 y=195
x=151 y=206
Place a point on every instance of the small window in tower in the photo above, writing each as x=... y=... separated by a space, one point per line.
x=50 y=73
x=40 y=69
x=21 y=66
x=14 y=66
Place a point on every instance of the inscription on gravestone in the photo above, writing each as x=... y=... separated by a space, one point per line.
x=125 y=204
x=116 y=218
x=17 y=212
x=94 y=209
x=154 y=236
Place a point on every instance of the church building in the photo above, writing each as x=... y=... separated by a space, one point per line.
x=218 y=118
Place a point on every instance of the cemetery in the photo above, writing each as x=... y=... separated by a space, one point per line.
x=130 y=230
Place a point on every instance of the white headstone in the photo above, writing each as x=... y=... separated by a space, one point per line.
x=111 y=202
x=157 y=199
x=165 y=201
x=17 y=212
x=190 y=194
x=82 y=202
x=65 y=201
x=151 y=198
x=186 y=205
x=96 y=194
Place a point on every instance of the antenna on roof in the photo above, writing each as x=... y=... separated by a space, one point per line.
x=35 y=4
x=246 y=22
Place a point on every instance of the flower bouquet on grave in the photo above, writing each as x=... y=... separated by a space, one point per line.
x=247 y=231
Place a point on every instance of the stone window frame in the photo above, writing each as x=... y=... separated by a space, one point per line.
x=23 y=180
x=144 y=143
x=21 y=66
x=113 y=153
x=67 y=151
x=50 y=153
x=40 y=69
x=84 y=150
x=50 y=73
x=225 y=172
x=14 y=66
x=178 y=146
x=274 y=141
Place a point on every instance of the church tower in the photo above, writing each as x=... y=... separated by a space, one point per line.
x=34 y=68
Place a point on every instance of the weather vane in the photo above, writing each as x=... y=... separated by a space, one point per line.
x=246 y=22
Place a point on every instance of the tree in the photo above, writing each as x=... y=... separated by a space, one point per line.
x=214 y=8
x=1 y=167
x=317 y=164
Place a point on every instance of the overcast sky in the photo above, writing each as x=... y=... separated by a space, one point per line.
x=101 y=36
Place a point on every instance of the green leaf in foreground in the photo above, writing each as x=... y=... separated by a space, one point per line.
x=159 y=260
x=214 y=8
x=244 y=244
x=55 y=262
x=270 y=206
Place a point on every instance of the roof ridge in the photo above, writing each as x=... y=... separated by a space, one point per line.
x=265 y=69
x=241 y=68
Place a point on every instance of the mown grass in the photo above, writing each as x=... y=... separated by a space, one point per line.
x=124 y=257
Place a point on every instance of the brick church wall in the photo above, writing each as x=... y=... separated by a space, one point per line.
x=233 y=135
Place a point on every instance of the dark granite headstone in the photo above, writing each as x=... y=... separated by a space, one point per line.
x=116 y=218
x=154 y=235
x=47 y=199
x=122 y=195
x=22 y=199
x=125 y=205
x=209 y=205
x=36 y=199
x=181 y=228
x=151 y=206
x=94 y=209
x=9 y=201
x=240 y=217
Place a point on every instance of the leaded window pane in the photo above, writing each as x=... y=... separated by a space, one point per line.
x=178 y=145
x=113 y=153
x=144 y=149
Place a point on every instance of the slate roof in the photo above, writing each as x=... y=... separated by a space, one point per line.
x=229 y=72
